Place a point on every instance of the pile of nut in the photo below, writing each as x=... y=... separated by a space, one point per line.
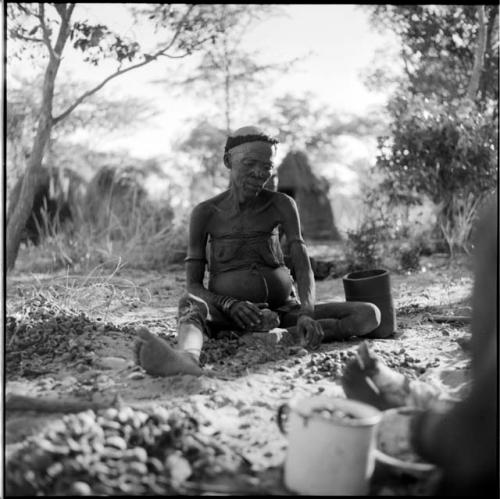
x=219 y=351
x=325 y=365
x=402 y=361
x=236 y=354
x=334 y=414
x=118 y=452
x=44 y=336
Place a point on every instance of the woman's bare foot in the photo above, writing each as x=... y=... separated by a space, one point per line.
x=367 y=379
x=156 y=357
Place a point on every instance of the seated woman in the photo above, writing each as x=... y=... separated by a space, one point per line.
x=246 y=269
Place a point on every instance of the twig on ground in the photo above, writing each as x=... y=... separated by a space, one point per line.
x=14 y=402
x=449 y=318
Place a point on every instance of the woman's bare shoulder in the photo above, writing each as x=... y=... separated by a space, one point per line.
x=281 y=200
x=209 y=206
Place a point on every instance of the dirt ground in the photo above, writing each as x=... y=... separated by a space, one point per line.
x=91 y=321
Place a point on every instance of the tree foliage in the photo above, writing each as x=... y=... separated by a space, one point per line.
x=98 y=114
x=438 y=45
x=300 y=123
x=444 y=113
x=205 y=145
x=181 y=29
x=227 y=70
x=441 y=151
x=303 y=123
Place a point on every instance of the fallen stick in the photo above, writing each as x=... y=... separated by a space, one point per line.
x=449 y=318
x=14 y=402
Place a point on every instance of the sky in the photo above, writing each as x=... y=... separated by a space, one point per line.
x=342 y=45
x=337 y=40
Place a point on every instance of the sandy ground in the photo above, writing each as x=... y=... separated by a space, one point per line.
x=247 y=381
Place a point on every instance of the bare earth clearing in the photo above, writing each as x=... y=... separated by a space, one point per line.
x=89 y=358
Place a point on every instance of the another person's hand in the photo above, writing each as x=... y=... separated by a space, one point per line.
x=310 y=332
x=368 y=379
x=246 y=313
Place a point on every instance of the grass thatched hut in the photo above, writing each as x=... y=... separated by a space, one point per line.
x=56 y=203
x=117 y=201
x=296 y=178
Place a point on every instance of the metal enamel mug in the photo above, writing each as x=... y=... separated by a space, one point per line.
x=328 y=455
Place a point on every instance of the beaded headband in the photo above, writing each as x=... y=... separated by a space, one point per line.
x=243 y=139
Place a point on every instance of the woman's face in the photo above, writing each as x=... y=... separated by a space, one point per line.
x=251 y=166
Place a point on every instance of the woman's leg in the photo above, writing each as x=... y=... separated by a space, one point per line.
x=340 y=320
x=159 y=358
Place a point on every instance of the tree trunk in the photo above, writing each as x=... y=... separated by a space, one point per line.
x=489 y=58
x=479 y=54
x=22 y=210
x=227 y=105
x=227 y=87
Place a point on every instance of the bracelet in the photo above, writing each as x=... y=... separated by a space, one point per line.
x=226 y=302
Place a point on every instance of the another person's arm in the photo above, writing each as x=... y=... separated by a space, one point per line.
x=464 y=441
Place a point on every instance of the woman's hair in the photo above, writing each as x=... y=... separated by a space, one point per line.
x=242 y=139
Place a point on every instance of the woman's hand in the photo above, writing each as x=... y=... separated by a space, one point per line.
x=310 y=332
x=246 y=314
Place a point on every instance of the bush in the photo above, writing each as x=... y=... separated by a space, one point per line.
x=365 y=247
x=409 y=256
x=447 y=151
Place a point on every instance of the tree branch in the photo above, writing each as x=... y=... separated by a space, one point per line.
x=65 y=15
x=27 y=38
x=24 y=9
x=168 y=56
x=201 y=42
x=45 y=29
x=151 y=58
x=405 y=62
x=61 y=9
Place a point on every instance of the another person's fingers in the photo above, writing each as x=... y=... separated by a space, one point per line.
x=352 y=367
x=359 y=360
x=262 y=305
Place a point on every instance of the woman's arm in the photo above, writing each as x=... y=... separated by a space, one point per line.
x=196 y=260
x=307 y=327
x=298 y=253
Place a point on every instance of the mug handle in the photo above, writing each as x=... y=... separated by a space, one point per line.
x=282 y=415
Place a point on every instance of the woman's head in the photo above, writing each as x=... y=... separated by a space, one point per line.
x=249 y=155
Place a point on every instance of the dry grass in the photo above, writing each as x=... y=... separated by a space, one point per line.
x=457 y=230
x=95 y=294
x=147 y=240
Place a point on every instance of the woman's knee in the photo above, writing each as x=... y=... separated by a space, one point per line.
x=192 y=308
x=368 y=317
